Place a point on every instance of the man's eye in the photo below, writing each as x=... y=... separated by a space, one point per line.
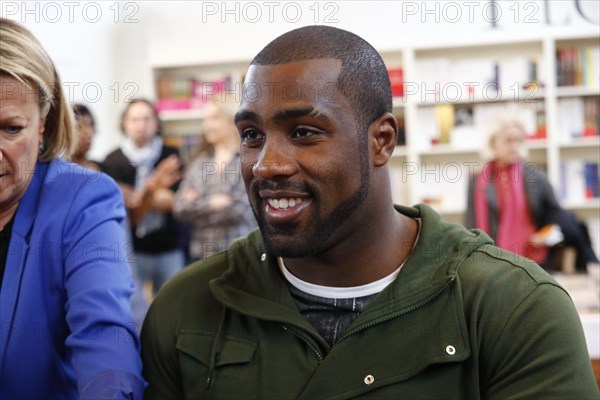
x=302 y=133
x=250 y=134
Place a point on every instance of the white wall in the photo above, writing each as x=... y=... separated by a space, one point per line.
x=105 y=51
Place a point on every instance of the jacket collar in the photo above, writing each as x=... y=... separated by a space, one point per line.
x=253 y=284
x=28 y=205
x=18 y=251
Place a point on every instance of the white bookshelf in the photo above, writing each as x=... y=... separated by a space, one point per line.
x=465 y=61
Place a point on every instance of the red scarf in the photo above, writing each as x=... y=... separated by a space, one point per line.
x=515 y=225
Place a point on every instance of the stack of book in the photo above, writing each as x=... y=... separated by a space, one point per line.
x=396 y=75
x=182 y=93
x=465 y=126
x=578 y=117
x=578 y=66
x=441 y=79
x=580 y=181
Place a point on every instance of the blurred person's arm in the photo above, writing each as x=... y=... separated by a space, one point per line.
x=157 y=194
x=196 y=202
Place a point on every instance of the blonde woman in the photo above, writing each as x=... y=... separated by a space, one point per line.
x=67 y=329
x=512 y=201
x=212 y=196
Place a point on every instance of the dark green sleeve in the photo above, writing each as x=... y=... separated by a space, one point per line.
x=541 y=352
x=159 y=354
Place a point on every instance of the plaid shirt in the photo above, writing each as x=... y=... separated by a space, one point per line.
x=213 y=230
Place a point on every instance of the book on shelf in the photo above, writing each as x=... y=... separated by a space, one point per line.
x=465 y=126
x=183 y=93
x=441 y=79
x=592 y=180
x=540 y=123
x=579 y=181
x=396 y=75
x=463 y=132
x=578 y=66
x=578 y=117
x=591 y=117
x=444 y=114
x=517 y=75
x=173 y=94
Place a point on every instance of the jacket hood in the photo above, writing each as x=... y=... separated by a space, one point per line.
x=440 y=250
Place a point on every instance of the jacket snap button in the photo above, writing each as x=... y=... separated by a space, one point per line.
x=263 y=257
x=450 y=350
x=369 y=379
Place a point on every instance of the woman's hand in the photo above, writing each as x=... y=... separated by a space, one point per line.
x=165 y=175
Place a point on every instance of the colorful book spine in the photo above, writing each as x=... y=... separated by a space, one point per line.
x=592 y=180
x=580 y=181
x=396 y=76
x=181 y=93
x=578 y=66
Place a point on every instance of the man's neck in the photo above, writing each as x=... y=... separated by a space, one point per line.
x=371 y=254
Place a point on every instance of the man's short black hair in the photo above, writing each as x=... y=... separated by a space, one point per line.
x=363 y=80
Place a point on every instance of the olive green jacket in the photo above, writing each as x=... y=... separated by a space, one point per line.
x=463 y=320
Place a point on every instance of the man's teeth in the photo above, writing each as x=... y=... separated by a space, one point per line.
x=283 y=203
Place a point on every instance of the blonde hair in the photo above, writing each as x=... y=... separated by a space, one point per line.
x=23 y=58
x=228 y=103
x=499 y=126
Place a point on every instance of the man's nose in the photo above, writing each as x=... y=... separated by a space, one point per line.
x=275 y=161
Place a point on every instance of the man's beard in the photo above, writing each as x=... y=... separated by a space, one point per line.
x=314 y=240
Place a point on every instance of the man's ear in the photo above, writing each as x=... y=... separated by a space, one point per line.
x=382 y=138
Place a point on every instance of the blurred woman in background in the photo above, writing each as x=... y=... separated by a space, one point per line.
x=148 y=173
x=212 y=196
x=86 y=130
x=514 y=203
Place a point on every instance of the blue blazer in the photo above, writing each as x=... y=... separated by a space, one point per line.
x=67 y=330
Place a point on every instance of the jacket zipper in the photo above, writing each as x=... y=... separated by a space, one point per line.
x=406 y=311
x=298 y=335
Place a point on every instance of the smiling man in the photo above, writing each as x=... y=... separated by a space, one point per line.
x=306 y=165
x=341 y=293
